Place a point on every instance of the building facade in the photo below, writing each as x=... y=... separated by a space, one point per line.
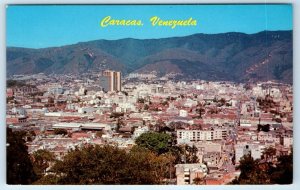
x=186 y=136
x=111 y=81
x=186 y=173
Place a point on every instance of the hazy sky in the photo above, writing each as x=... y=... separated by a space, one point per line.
x=56 y=25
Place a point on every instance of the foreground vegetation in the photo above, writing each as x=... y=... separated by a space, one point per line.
x=151 y=161
x=262 y=171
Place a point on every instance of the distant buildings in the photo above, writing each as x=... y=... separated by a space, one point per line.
x=141 y=76
x=220 y=119
x=110 y=80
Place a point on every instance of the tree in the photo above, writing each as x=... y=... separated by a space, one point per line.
x=99 y=134
x=159 y=166
x=108 y=165
x=125 y=93
x=278 y=120
x=222 y=102
x=173 y=98
x=177 y=125
x=32 y=133
x=29 y=136
x=247 y=164
x=14 y=83
x=141 y=100
x=120 y=124
x=199 y=181
x=228 y=104
x=189 y=153
x=116 y=115
x=248 y=168
x=9 y=99
x=156 y=142
x=47 y=180
x=165 y=103
x=262 y=172
x=51 y=100
x=165 y=129
x=192 y=154
x=146 y=107
x=91 y=165
x=42 y=160
x=60 y=131
x=200 y=109
x=159 y=126
x=269 y=153
x=19 y=167
x=283 y=172
x=265 y=128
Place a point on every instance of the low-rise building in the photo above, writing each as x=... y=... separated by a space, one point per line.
x=140 y=130
x=186 y=173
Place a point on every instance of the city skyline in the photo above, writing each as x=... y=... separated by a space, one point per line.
x=199 y=132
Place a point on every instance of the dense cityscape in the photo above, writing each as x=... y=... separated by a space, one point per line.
x=144 y=129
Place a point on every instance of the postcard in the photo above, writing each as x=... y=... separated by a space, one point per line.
x=170 y=94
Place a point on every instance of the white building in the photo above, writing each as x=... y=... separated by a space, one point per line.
x=190 y=103
x=140 y=130
x=287 y=141
x=67 y=126
x=53 y=114
x=183 y=113
x=255 y=149
x=125 y=107
x=245 y=123
x=85 y=110
x=187 y=136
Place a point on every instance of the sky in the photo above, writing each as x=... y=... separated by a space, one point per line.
x=40 y=26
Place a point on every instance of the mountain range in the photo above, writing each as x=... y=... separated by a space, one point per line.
x=233 y=56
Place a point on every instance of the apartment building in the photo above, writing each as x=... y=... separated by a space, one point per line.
x=187 y=136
